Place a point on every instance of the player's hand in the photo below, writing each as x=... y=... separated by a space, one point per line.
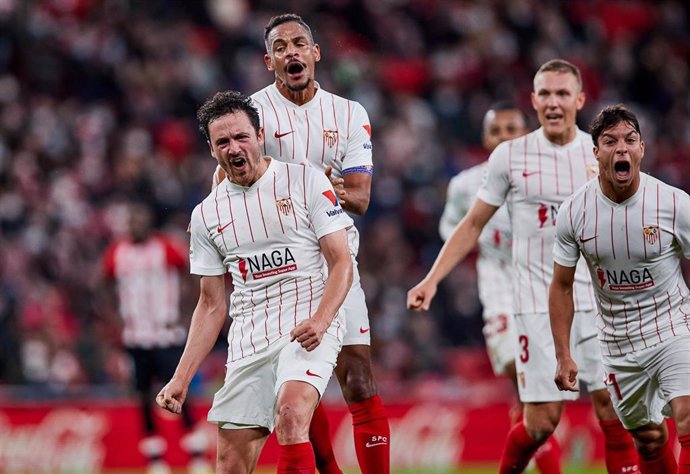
x=338 y=185
x=309 y=333
x=419 y=298
x=218 y=177
x=566 y=375
x=172 y=396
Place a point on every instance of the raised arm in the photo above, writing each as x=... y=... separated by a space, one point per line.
x=461 y=242
x=561 y=313
x=337 y=254
x=207 y=320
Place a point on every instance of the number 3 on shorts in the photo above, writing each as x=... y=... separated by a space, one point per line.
x=524 y=348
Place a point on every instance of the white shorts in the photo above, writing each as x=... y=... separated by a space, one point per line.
x=535 y=357
x=248 y=396
x=642 y=383
x=354 y=309
x=500 y=337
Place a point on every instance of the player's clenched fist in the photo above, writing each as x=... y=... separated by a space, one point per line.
x=566 y=375
x=308 y=333
x=172 y=396
x=419 y=298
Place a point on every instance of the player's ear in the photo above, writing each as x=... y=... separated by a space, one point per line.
x=213 y=154
x=581 y=99
x=533 y=98
x=260 y=136
x=268 y=62
x=317 y=52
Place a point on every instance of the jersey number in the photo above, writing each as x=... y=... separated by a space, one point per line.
x=524 y=346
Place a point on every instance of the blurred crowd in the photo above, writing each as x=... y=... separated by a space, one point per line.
x=97 y=106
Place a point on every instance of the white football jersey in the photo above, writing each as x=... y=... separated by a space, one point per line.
x=267 y=237
x=533 y=176
x=633 y=251
x=327 y=130
x=494 y=277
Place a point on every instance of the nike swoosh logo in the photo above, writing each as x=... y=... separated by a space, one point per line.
x=363 y=331
x=582 y=241
x=526 y=174
x=221 y=229
x=371 y=445
x=281 y=135
x=312 y=374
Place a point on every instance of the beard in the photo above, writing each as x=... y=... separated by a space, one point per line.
x=299 y=87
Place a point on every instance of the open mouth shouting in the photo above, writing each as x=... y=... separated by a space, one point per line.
x=295 y=69
x=238 y=162
x=553 y=118
x=621 y=170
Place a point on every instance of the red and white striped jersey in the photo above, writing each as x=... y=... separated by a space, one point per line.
x=267 y=237
x=327 y=130
x=533 y=176
x=147 y=277
x=633 y=251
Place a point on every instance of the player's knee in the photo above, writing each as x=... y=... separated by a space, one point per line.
x=229 y=462
x=649 y=440
x=354 y=374
x=292 y=423
x=603 y=407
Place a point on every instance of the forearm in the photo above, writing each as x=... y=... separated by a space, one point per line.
x=459 y=244
x=561 y=314
x=337 y=286
x=357 y=200
x=207 y=321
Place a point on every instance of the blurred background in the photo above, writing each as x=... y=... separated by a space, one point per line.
x=97 y=106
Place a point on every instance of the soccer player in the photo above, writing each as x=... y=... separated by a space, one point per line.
x=533 y=175
x=145 y=267
x=270 y=225
x=632 y=231
x=503 y=121
x=305 y=124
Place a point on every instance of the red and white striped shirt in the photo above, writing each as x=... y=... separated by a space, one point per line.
x=633 y=252
x=533 y=176
x=147 y=275
x=267 y=237
x=326 y=131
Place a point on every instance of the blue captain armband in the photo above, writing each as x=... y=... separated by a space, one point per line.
x=367 y=169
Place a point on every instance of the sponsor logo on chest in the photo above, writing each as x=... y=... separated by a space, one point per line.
x=625 y=280
x=268 y=264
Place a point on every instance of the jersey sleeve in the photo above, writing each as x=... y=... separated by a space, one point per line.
x=566 y=251
x=682 y=232
x=204 y=257
x=496 y=183
x=455 y=209
x=325 y=213
x=358 y=158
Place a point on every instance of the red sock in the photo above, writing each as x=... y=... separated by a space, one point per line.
x=372 y=436
x=517 y=450
x=663 y=461
x=296 y=459
x=548 y=456
x=684 y=458
x=621 y=455
x=321 y=442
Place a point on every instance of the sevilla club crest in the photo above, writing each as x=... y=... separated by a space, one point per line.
x=651 y=233
x=284 y=206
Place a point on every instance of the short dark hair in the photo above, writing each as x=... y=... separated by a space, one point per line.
x=507 y=105
x=223 y=103
x=610 y=117
x=561 y=65
x=285 y=18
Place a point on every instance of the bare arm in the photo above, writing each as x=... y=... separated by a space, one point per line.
x=337 y=254
x=353 y=190
x=207 y=321
x=461 y=242
x=561 y=313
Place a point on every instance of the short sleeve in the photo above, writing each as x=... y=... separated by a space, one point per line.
x=358 y=158
x=566 y=251
x=496 y=184
x=325 y=212
x=682 y=231
x=204 y=257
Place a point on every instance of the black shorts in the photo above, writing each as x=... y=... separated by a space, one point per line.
x=156 y=365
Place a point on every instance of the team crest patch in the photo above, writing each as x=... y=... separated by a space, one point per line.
x=592 y=171
x=330 y=136
x=651 y=233
x=284 y=206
